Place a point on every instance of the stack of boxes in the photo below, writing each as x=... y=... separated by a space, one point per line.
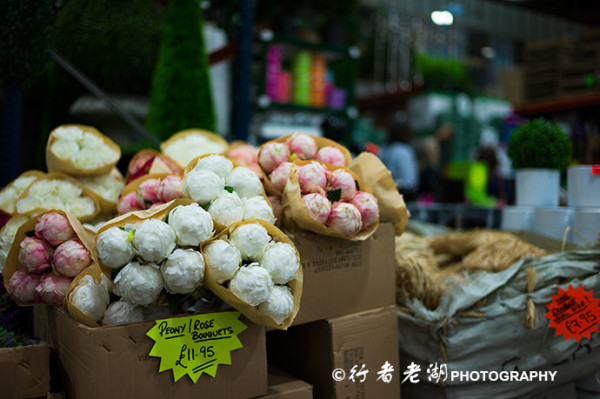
x=343 y=342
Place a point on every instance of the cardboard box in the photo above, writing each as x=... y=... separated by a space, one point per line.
x=25 y=371
x=113 y=362
x=343 y=277
x=313 y=351
x=284 y=386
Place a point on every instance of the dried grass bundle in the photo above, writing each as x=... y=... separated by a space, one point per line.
x=418 y=277
x=460 y=244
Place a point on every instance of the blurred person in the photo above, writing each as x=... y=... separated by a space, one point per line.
x=399 y=157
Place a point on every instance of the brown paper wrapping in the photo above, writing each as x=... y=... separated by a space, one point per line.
x=36 y=173
x=189 y=132
x=61 y=176
x=12 y=261
x=161 y=163
x=107 y=206
x=55 y=164
x=321 y=142
x=96 y=272
x=379 y=181
x=192 y=164
x=249 y=311
x=160 y=213
x=295 y=215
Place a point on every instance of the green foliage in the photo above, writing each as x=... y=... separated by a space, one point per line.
x=540 y=144
x=113 y=42
x=440 y=73
x=181 y=92
x=25 y=27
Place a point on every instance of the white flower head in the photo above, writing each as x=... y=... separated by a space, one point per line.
x=258 y=208
x=106 y=186
x=251 y=239
x=252 y=284
x=7 y=236
x=13 y=191
x=244 y=181
x=192 y=224
x=154 y=240
x=114 y=247
x=202 y=186
x=86 y=150
x=183 y=271
x=227 y=208
x=140 y=284
x=280 y=259
x=191 y=146
x=223 y=258
x=90 y=298
x=217 y=164
x=122 y=312
x=279 y=305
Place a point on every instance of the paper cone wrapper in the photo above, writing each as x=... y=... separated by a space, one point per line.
x=12 y=260
x=214 y=137
x=61 y=176
x=11 y=207
x=96 y=272
x=321 y=142
x=192 y=165
x=247 y=310
x=295 y=216
x=56 y=164
x=379 y=181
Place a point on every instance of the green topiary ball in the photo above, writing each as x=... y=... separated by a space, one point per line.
x=540 y=144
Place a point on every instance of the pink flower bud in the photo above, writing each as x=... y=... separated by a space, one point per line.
x=312 y=178
x=128 y=203
x=54 y=228
x=367 y=206
x=22 y=286
x=276 y=205
x=280 y=175
x=246 y=155
x=303 y=145
x=272 y=155
x=169 y=188
x=345 y=218
x=318 y=207
x=52 y=288
x=331 y=155
x=343 y=180
x=147 y=192
x=35 y=254
x=71 y=257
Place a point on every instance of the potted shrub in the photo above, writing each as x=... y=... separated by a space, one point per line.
x=539 y=151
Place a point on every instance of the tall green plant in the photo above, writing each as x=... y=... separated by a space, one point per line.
x=540 y=144
x=181 y=93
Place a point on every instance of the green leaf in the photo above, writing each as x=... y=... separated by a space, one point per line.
x=147 y=203
x=114 y=272
x=175 y=300
x=334 y=195
x=228 y=189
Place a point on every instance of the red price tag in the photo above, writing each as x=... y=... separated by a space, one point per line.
x=596 y=170
x=574 y=313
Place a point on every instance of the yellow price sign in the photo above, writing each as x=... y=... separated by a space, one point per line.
x=196 y=344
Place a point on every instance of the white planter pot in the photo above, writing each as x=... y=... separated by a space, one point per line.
x=553 y=221
x=517 y=218
x=537 y=187
x=586 y=222
x=583 y=188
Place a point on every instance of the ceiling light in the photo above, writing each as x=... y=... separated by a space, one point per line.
x=442 y=18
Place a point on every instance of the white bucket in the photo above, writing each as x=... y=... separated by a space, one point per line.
x=552 y=221
x=517 y=218
x=537 y=187
x=583 y=187
x=586 y=222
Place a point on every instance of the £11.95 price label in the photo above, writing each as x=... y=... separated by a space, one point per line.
x=196 y=344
